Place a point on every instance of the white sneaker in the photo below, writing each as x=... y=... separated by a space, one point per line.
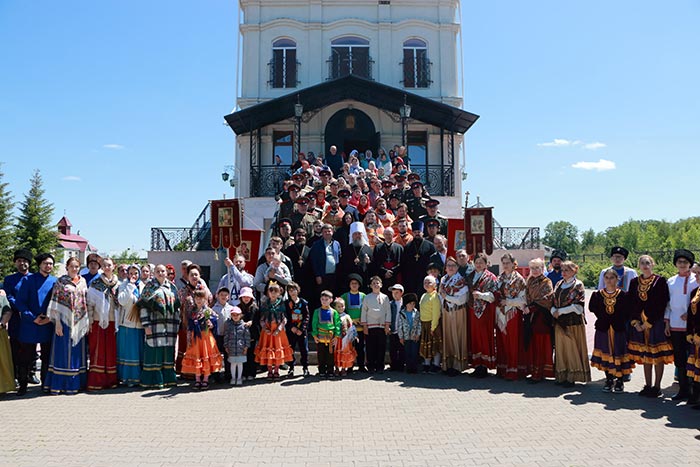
x=239 y=382
x=233 y=382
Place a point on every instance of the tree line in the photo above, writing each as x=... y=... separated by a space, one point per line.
x=655 y=237
x=31 y=228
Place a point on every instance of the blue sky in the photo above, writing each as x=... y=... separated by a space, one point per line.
x=589 y=111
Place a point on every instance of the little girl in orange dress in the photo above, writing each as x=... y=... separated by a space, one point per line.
x=273 y=347
x=202 y=357
x=345 y=354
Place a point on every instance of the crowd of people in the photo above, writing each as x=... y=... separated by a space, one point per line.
x=359 y=265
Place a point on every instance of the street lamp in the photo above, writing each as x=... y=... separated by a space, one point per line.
x=298 y=113
x=230 y=175
x=405 y=113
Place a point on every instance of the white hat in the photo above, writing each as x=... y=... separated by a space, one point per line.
x=359 y=227
x=396 y=287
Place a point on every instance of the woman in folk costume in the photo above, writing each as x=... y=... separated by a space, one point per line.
x=160 y=318
x=693 y=338
x=649 y=345
x=102 y=309
x=7 y=371
x=570 y=347
x=537 y=330
x=453 y=291
x=185 y=295
x=482 y=317
x=202 y=357
x=129 y=329
x=68 y=310
x=273 y=348
x=512 y=362
x=610 y=305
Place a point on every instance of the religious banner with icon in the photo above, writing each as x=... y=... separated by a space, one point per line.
x=478 y=230
x=251 y=241
x=226 y=223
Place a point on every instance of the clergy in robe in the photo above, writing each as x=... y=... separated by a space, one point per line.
x=357 y=257
x=415 y=260
x=387 y=257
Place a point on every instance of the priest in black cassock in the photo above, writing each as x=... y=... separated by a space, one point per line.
x=415 y=260
x=387 y=256
x=357 y=257
x=298 y=254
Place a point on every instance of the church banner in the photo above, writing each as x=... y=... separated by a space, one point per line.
x=226 y=223
x=478 y=229
x=250 y=246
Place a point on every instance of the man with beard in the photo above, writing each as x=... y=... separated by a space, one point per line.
x=301 y=218
x=357 y=257
x=383 y=216
x=438 y=258
x=387 y=257
x=415 y=260
x=344 y=198
x=11 y=286
x=317 y=233
x=431 y=206
x=554 y=275
x=404 y=237
x=235 y=279
x=334 y=216
x=35 y=327
x=298 y=253
x=325 y=261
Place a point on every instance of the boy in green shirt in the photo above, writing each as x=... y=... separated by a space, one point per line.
x=325 y=327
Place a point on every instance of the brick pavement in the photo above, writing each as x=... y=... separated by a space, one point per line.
x=395 y=420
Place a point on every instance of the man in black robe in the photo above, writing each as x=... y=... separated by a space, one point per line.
x=357 y=256
x=387 y=257
x=415 y=260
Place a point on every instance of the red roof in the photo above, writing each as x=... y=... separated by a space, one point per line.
x=73 y=242
x=64 y=222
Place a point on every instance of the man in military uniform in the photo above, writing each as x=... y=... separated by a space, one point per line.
x=324 y=176
x=344 y=198
x=387 y=189
x=301 y=218
x=431 y=206
x=287 y=202
x=432 y=228
x=415 y=201
x=401 y=187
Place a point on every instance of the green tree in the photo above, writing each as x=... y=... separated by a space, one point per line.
x=34 y=228
x=127 y=257
x=562 y=235
x=7 y=237
x=588 y=240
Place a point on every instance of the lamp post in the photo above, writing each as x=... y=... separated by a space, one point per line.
x=405 y=113
x=298 y=112
x=230 y=175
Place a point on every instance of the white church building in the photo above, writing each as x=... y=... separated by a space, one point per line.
x=357 y=74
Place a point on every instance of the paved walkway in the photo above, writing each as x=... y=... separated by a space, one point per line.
x=395 y=420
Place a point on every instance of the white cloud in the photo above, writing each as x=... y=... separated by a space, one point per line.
x=72 y=178
x=113 y=146
x=600 y=166
x=596 y=145
x=557 y=143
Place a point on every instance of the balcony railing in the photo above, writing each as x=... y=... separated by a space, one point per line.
x=416 y=74
x=516 y=238
x=362 y=67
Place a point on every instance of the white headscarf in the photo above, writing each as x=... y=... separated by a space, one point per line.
x=359 y=227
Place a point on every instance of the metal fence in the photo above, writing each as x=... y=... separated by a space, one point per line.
x=516 y=238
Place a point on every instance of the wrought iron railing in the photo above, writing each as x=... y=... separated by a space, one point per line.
x=174 y=238
x=416 y=74
x=438 y=179
x=361 y=67
x=516 y=238
x=282 y=75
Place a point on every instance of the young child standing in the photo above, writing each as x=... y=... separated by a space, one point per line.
x=202 y=356
x=325 y=326
x=397 y=357
x=236 y=343
x=251 y=316
x=273 y=349
x=376 y=318
x=297 y=313
x=409 y=327
x=431 y=331
x=223 y=309
x=344 y=349
x=353 y=306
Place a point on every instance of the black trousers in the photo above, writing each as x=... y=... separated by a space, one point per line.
x=325 y=359
x=360 y=349
x=680 y=359
x=376 y=349
x=26 y=358
x=250 y=368
x=300 y=343
x=397 y=355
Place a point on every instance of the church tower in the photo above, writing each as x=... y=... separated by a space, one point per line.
x=357 y=74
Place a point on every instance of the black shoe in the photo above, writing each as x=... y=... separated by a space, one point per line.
x=22 y=390
x=426 y=369
x=654 y=392
x=645 y=391
x=362 y=369
x=619 y=385
x=434 y=369
x=290 y=373
x=681 y=396
x=33 y=379
x=608 y=385
x=306 y=373
x=627 y=378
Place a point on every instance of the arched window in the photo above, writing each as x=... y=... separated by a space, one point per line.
x=416 y=66
x=350 y=56
x=283 y=66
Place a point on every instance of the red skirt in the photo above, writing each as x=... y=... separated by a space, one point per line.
x=344 y=358
x=273 y=350
x=511 y=358
x=482 y=345
x=103 y=357
x=202 y=356
x=541 y=352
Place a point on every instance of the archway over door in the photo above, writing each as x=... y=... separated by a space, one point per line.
x=350 y=129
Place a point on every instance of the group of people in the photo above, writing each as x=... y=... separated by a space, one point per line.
x=357 y=264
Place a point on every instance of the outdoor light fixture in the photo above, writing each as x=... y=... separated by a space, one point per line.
x=224 y=176
x=405 y=111
x=298 y=110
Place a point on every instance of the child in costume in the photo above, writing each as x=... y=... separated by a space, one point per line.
x=223 y=309
x=409 y=328
x=344 y=355
x=236 y=343
x=202 y=357
x=353 y=306
x=325 y=327
x=273 y=348
x=297 y=313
